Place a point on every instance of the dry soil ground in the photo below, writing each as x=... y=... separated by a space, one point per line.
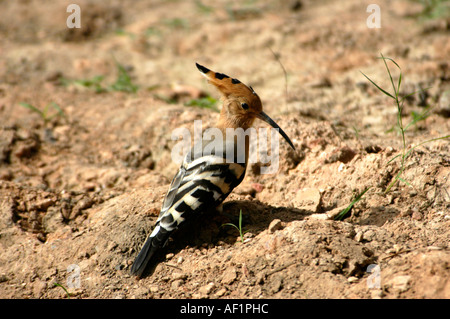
x=81 y=190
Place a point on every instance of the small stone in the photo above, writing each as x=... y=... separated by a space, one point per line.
x=276 y=284
x=178 y=276
x=43 y=204
x=40 y=288
x=176 y=284
x=331 y=214
x=352 y=279
x=258 y=187
x=429 y=248
x=412 y=192
x=3 y=278
x=389 y=150
x=82 y=204
x=207 y=289
x=119 y=267
x=111 y=246
x=5 y=174
x=416 y=215
x=369 y=235
x=359 y=236
x=141 y=292
x=229 y=276
x=308 y=199
x=154 y=289
x=275 y=225
x=170 y=256
x=318 y=217
x=221 y=292
x=376 y=293
x=401 y=283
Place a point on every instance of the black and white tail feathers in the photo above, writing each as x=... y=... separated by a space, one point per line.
x=151 y=246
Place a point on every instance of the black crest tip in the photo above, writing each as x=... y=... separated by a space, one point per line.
x=201 y=68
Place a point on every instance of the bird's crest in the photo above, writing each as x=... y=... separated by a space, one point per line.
x=226 y=85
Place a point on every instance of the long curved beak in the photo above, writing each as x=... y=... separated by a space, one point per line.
x=263 y=116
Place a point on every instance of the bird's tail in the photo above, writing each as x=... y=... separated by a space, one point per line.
x=154 y=242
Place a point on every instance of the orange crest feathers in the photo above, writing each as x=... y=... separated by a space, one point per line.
x=226 y=85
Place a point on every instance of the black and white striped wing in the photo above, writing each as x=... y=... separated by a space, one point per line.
x=199 y=185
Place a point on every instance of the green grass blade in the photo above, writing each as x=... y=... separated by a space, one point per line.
x=394 y=181
x=390 y=76
x=32 y=108
x=241 y=233
x=427 y=141
x=64 y=288
x=379 y=88
x=123 y=82
x=58 y=109
x=230 y=224
x=345 y=211
x=404 y=181
x=399 y=82
x=386 y=58
x=393 y=158
x=418 y=117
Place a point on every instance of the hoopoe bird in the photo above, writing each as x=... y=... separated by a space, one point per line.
x=204 y=181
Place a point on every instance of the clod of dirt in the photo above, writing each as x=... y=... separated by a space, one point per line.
x=6 y=144
x=27 y=145
x=308 y=199
x=275 y=225
x=343 y=154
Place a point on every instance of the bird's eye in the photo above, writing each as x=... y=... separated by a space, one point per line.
x=244 y=106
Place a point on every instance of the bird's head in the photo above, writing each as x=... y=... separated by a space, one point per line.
x=241 y=104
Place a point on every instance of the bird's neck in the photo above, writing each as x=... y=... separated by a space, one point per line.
x=230 y=127
x=234 y=122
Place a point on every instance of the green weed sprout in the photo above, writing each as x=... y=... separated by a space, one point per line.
x=45 y=112
x=399 y=102
x=204 y=102
x=64 y=288
x=94 y=83
x=346 y=210
x=123 y=82
x=239 y=228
